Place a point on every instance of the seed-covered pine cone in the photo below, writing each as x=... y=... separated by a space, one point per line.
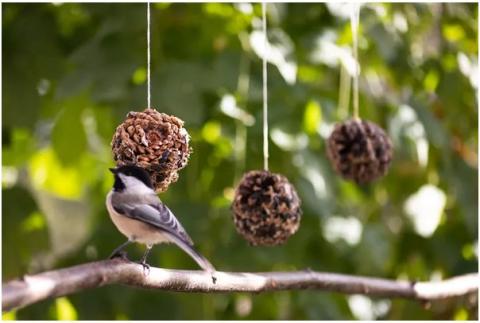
x=359 y=150
x=266 y=208
x=154 y=141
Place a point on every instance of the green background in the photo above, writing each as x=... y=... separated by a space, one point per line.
x=71 y=72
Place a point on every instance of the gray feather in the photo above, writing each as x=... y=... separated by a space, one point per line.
x=149 y=209
x=199 y=259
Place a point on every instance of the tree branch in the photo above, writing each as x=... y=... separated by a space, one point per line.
x=31 y=289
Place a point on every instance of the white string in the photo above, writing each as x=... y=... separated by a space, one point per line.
x=148 y=56
x=354 y=21
x=265 y=96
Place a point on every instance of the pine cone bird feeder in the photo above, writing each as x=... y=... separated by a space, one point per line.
x=266 y=208
x=359 y=150
x=154 y=141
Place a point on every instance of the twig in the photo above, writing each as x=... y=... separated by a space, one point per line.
x=31 y=289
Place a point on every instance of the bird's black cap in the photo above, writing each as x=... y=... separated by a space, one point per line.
x=130 y=170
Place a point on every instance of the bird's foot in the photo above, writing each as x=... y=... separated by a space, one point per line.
x=146 y=267
x=120 y=254
x=212 y=274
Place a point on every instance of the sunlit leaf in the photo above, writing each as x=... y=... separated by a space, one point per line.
x=288 y=141
x=211 y=131
x=229 y=106
x=35 y=221
x=48 y=173
x=468 y=251
x=9 y=176
x=453 y=32
x=139 y=76
x=277 y=50
x=161 y=5
x=431 y=81
x=425 y=209
x=461 y=315
x=9 y=316
x=65 y=310
x=220 y=9
x=312 y=117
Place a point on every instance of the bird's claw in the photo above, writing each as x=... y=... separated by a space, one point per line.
x=146 y=267
x=212 y=274
x=120 y=254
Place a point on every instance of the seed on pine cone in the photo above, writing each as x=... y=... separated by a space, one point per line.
x=266 y=208
x=154 y=141
x=359 y=150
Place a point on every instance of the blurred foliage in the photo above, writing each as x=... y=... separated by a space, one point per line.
x=72 y=71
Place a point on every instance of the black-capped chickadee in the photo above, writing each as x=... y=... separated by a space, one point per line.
x=138 y=213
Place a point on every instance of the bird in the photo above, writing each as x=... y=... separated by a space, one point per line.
x=139 y=214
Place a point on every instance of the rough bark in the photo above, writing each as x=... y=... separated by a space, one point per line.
x=34 y=288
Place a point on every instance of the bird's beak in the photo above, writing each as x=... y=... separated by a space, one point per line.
x=113 y=170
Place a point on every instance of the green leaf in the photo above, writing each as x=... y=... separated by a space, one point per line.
x=68 y=135
x=20 y=146
x=20 y=245
x=35 y=221
x=65 y=310
x=139 y=76
x=32 y=47
x=211 y=131
x=69 y=182
x=453 y=32
x=312 y=117
x=461 y=315
x=9 y=316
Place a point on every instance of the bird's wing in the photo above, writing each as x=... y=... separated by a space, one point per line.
x=157 y=215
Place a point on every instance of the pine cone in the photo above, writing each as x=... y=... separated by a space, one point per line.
x=266 y=208
x=359 y=150
x=154 y=141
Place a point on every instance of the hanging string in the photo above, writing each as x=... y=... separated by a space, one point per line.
x=344 y=92
x=148 y=56
x=265 y=96
x=354 y=21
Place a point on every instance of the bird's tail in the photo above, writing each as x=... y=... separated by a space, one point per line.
x=199 y=259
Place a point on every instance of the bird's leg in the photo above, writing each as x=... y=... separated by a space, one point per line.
x=118 y=251
x=143 y=261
